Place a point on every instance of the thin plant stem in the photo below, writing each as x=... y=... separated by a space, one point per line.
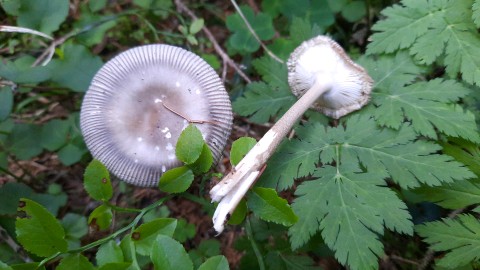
x=123 y=209
x=250 y=28
x=112 y=236
x=256 y=250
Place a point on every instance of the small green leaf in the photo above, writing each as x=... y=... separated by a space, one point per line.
x=184 y=231
x=144 y=236
x=97 y=181
x=337 y=5
x=354 y=11
x=6 y=102
x=176 y=180
x=100 y=218
x=75 y=227
x=21 y=71
x=70 y=154
x=168 y=254
x=42 y=15
x=97 y=5
x=23 y=141
x=215 y=263
x=54 y=134
x=239 y=213
x=204 y=162
x=4 y=266
x=109 y=252
x=76 y=68
x=189 y=145
x=196 y=26
x=267 y=205
x=240 y=148
x=75 y=261
x=38 y=231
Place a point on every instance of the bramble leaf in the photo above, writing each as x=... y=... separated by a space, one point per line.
x=38 y=231
x=431 y=30
x=459 y=236
x=97 y=181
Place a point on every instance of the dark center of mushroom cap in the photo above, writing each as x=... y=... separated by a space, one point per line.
x=130 y=114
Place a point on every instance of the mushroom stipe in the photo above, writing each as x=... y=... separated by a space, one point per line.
x=322 y=75
x=128 y=127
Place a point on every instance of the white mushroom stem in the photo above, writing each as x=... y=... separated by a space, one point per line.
x=234 y=185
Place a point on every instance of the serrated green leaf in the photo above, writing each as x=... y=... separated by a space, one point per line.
x=76 y=68
x=430 y=30
x=54 y=134
x=42 y=15
x=350 y=208
x=196 y=26
x=96 y=181
x=476 y=13
x=189 y=145
x=204 y=161
x=176 y=180
x=38 y=231
x=75 y=261
x=23 y=141
x=146 y=234
x=261 y=102
x=241 y=38
x=168 y=254
x=459 y=236
x=100 y=218
x=267 y=205
x=272 y=72
x=240 y=148
x=6 y=102
x=429 y=107
x=218 y=262
x=109 y=252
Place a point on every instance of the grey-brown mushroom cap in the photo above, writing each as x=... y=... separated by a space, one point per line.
x=130 y=114
x=321 y=58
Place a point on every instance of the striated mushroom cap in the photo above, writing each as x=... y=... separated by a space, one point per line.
x=321 y=58
x=130 y=116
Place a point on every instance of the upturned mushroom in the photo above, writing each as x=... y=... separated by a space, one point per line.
x=140 y=101
x=322 y=75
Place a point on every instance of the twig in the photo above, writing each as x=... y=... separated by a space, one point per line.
x=13 y=245
x=250 y=28
x=183 y=8
x=186 y=118
x=430 y=252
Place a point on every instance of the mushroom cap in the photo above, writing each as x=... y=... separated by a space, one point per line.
x=125 y=120
x=321 y=58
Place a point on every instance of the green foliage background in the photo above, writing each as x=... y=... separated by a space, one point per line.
x=395 y=179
